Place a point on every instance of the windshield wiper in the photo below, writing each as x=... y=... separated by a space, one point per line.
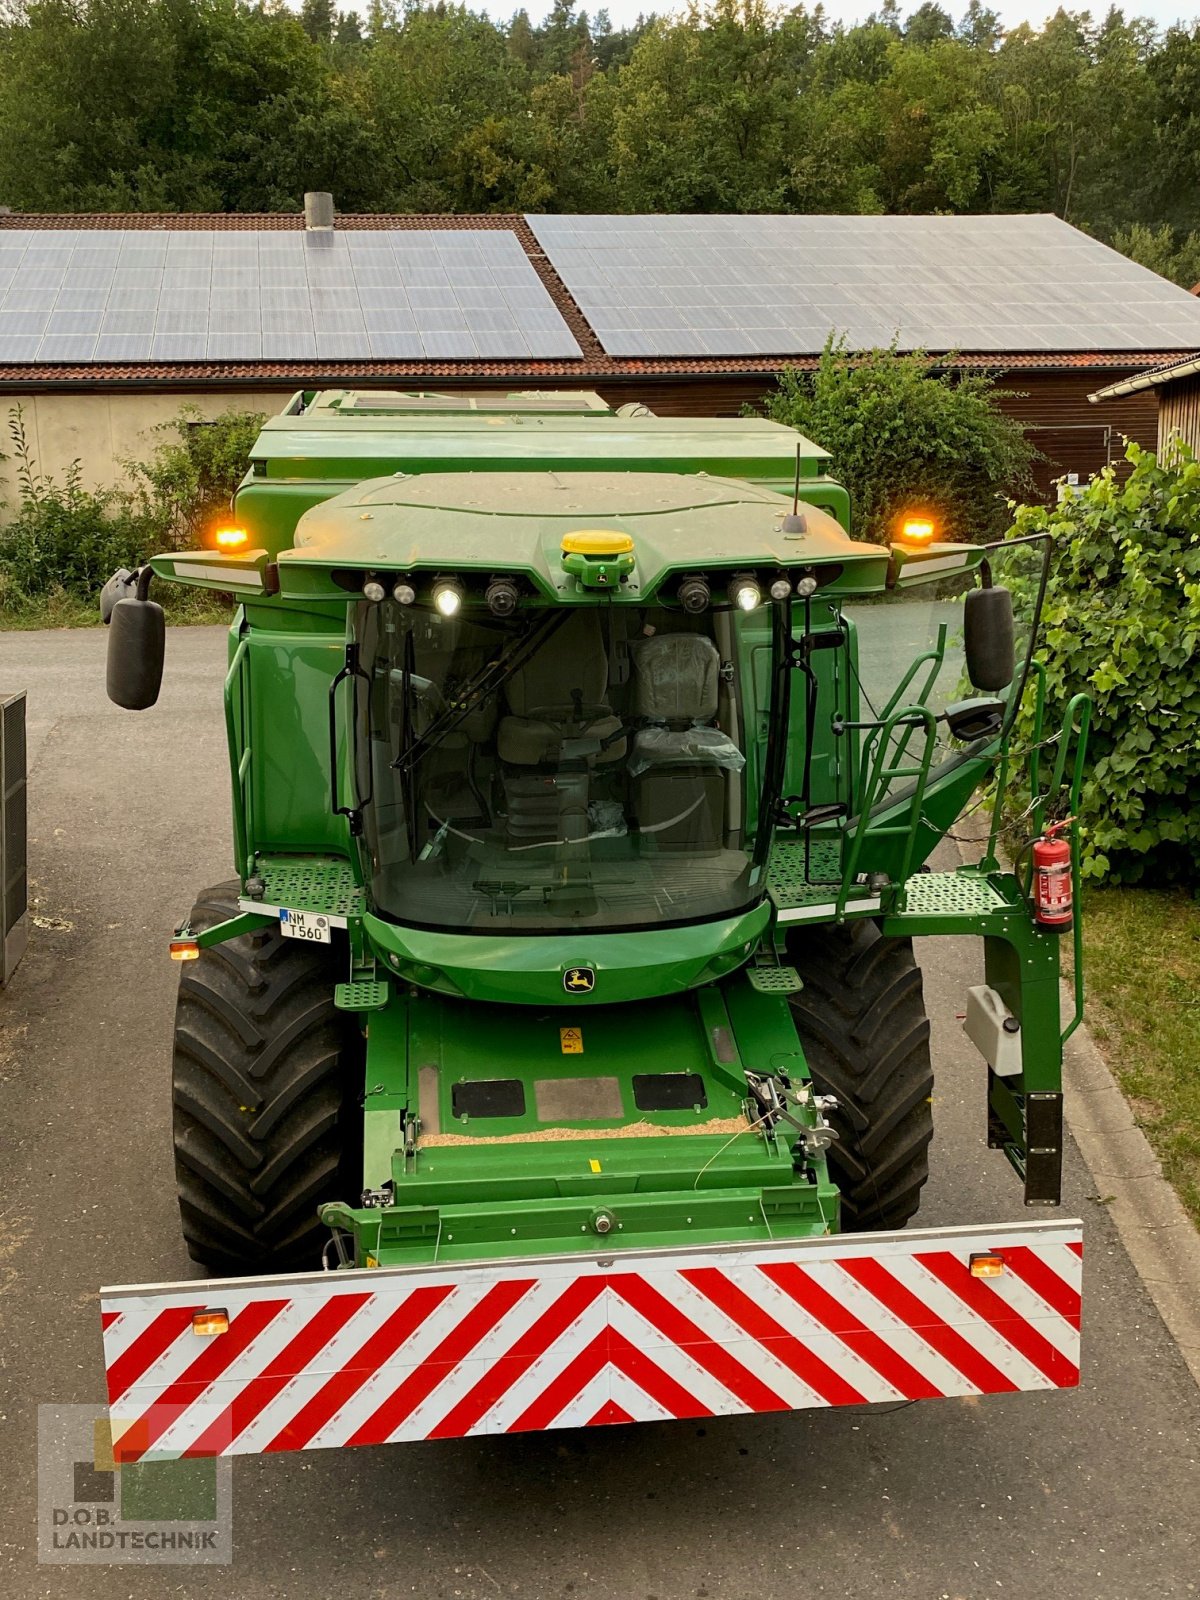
x=490 y=678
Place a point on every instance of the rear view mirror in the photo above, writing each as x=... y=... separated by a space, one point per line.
x=988 y=638
x=120 y=586
x=137 y=638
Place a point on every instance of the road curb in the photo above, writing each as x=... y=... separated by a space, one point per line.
x=1153 y=1226
x=1157 y=1232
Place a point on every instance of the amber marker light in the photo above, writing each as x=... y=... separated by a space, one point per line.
x=207 y=1323
x=185 y=950
x=987 y=1264
x=918 y=530
x=230 y=538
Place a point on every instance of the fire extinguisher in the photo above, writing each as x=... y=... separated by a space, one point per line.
x=1053 y=899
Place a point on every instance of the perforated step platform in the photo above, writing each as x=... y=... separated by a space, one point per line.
x=953 y=894
x=323 y=885
x=775 y=980
x=804 y=879
x=361 y=995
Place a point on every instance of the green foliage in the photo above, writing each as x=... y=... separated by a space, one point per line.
x=189 y=481
x=63 y=541
x=903 y=437
x=1122 y=622
x=229 y=105
x=1163 y=252
x=63 y=537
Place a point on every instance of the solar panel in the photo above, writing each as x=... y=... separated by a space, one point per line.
x=263 y=294
x=780 y=285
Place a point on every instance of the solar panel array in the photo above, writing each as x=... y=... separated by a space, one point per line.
x=780 y=285
x=87 y=295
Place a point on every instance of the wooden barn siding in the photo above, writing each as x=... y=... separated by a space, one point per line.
x=1179 y=413
x=1069 y=432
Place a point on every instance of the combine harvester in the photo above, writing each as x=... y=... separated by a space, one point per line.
x=557 y=1055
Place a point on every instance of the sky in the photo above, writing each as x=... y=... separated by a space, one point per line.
x=623 y=12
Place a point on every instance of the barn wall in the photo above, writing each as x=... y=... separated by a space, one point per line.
x=1072 y=434
x=103 y=430
x=1179 y=413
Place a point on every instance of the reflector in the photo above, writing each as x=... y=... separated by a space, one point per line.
x=207 y=1323
x=989 y=1264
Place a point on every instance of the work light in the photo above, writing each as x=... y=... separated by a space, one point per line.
x=447 y=597
x=502 y=596
x=694 y=595
x=745 y=593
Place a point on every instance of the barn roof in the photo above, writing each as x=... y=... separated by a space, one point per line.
x=183 y=299
x=1154 y=379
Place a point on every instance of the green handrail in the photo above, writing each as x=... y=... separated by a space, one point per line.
x=935 y=657
x=1076 y=722
x=881 y=776
x=237 y=730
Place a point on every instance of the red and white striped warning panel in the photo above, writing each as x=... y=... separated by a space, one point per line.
x=251 y=1365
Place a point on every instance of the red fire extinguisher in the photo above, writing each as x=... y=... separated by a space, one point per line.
x=1053 y=900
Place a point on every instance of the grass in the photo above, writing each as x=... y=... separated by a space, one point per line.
x=58 y=609
x=1142 y=954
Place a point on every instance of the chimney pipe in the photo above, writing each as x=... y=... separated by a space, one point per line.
x=318 y=213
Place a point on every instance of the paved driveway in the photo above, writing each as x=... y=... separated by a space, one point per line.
x=1093 y=1495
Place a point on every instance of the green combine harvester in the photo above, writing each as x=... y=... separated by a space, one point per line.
x=557 y=1055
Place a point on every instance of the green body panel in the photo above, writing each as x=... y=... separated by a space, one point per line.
x=345 y=488
x=515 y=522
x=300 y=462
x=529 y=969
x=463 y=1200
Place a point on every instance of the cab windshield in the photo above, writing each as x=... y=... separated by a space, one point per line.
x=560 y=768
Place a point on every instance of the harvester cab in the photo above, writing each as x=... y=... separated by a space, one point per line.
x=586 y=775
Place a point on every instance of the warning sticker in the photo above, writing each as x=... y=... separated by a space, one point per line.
x=571 y=1040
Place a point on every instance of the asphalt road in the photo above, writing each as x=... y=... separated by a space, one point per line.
x=1090 y=1495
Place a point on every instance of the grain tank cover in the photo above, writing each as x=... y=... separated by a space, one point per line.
x=515 y=522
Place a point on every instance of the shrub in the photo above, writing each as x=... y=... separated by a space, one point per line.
x=63 y=537
x=65 y=540
x=191 y=478
x=1122 y=621
x=902 y=437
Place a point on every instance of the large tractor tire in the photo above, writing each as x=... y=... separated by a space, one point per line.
x=861 y=1019
x=266 y=1086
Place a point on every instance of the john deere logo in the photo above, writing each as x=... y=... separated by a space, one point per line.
x=579 y=980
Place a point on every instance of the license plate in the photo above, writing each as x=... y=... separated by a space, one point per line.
x=304 y=925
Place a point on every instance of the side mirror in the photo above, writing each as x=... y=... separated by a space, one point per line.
x=137 y=639
x=121 y=586
x=969 y=720
x=988 y=638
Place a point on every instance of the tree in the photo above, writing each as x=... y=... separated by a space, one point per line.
x=731 y=105
x=349 y=29
x=927 y=23
x=317 y=20
x=1163 y=252
x=979 y=28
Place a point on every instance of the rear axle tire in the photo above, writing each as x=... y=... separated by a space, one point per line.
x=861 y=1019
x=266 y=1084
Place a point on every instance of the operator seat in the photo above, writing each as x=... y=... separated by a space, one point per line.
x=558 y=730
x=679 y=761
x=556 y=701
